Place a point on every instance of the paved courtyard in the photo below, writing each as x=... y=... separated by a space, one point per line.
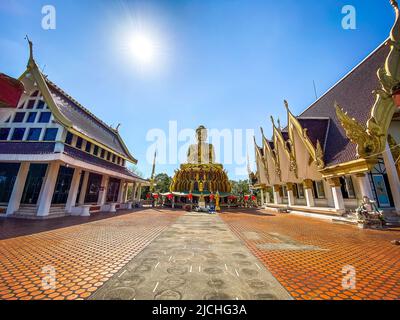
x=164 y=254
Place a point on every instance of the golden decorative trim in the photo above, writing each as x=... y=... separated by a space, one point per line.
x=290 y=186
x=277 y=188
x=308 y=184
x=351 y=167
x=334 y=182
x=371 y=139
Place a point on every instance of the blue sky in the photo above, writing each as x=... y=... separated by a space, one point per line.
x=225 y=64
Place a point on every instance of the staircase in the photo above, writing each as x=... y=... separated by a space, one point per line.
x=30 y=212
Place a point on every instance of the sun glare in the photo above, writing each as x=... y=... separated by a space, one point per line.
x=143 y=49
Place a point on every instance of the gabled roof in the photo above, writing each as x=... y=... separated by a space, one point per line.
x=85 y=122
x=317 y=129
x=73 y=115
x=354 y=93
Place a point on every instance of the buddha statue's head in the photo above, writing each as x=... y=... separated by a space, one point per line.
x=201 y=133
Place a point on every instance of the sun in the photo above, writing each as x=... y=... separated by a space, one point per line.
x=143 y=48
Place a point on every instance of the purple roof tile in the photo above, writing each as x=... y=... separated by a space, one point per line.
x=354 y=94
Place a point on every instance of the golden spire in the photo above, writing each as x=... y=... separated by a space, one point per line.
x=153 y=172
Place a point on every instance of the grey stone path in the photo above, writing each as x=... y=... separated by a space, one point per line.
x=197 y=258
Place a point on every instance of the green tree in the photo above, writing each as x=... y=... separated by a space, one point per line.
x=240 y=187
x=162 y=181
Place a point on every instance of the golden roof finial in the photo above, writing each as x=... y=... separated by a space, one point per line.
x=273 y=121
x=31 y=60
x=279 y=124
x=286 y=105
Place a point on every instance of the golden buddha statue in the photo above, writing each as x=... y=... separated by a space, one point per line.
x=201 y=176
x=201 y=152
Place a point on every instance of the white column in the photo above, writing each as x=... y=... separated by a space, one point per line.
x=268 y=196
x=82 y=195
x=393 y=177
x=134 y=190
x=47 y=192
x=73 y=191
x=277 y=195
x=103 y=192
x=139 y=196
x=125 y=196
x=337 y=194
x=290 y=194
x=262 y=198
x=364 y=186
x=18 y=189
x=309 y=193
x=121 y=191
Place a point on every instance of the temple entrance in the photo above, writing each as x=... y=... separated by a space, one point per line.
x=8 y=175
x=34 y=183
x=113 y=190
x=380 y=186
x=63 y=185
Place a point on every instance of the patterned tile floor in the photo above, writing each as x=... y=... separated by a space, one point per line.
x=307 y=255
x=84 y=255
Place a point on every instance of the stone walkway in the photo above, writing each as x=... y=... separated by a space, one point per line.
x=197 y=258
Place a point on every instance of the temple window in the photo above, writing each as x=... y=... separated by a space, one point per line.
x=35 y=94
x=319 y=189
x=34 y=134
x=4 y=132
x=31 y=117
x=113 y=158
x=300 y=191
x=45 y=117
x=31 y=104
x=18 y=134
x=19 y=117
x=40 y=105
x=79 y=142
x=88 y=146
x=68 y=138
x=347 y=188
x=96 y=150
x=50 y=134
x=108 y=156
x=285 y=192
x=102 y=153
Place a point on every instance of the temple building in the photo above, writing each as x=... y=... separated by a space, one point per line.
x=342 y=147
x=56 y=157
x=201 y=177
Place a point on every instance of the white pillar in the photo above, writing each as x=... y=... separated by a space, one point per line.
x=121 y=191
x=125 y=196
x=277 y=194
x=73 y=191
x=393 y=176
x=364 y=186
x=268 y=197
x=290 y=187
x=134 y=190
x=18 y=189
x=337 y=194
x=309 y=193
x=82 y=195
x=262 y=198
x=47 y=192
x=139 y=196
x=103 y=191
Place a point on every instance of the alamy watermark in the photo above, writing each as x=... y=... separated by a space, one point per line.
x=49 y=19
x=349 y=21
x=231 y=146
x=49 y=278
x=349 y=278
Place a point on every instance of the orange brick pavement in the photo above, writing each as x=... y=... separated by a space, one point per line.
x=318 y=274
x=83 y=255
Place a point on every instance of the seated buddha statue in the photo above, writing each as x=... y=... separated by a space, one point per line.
x=201 y=152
